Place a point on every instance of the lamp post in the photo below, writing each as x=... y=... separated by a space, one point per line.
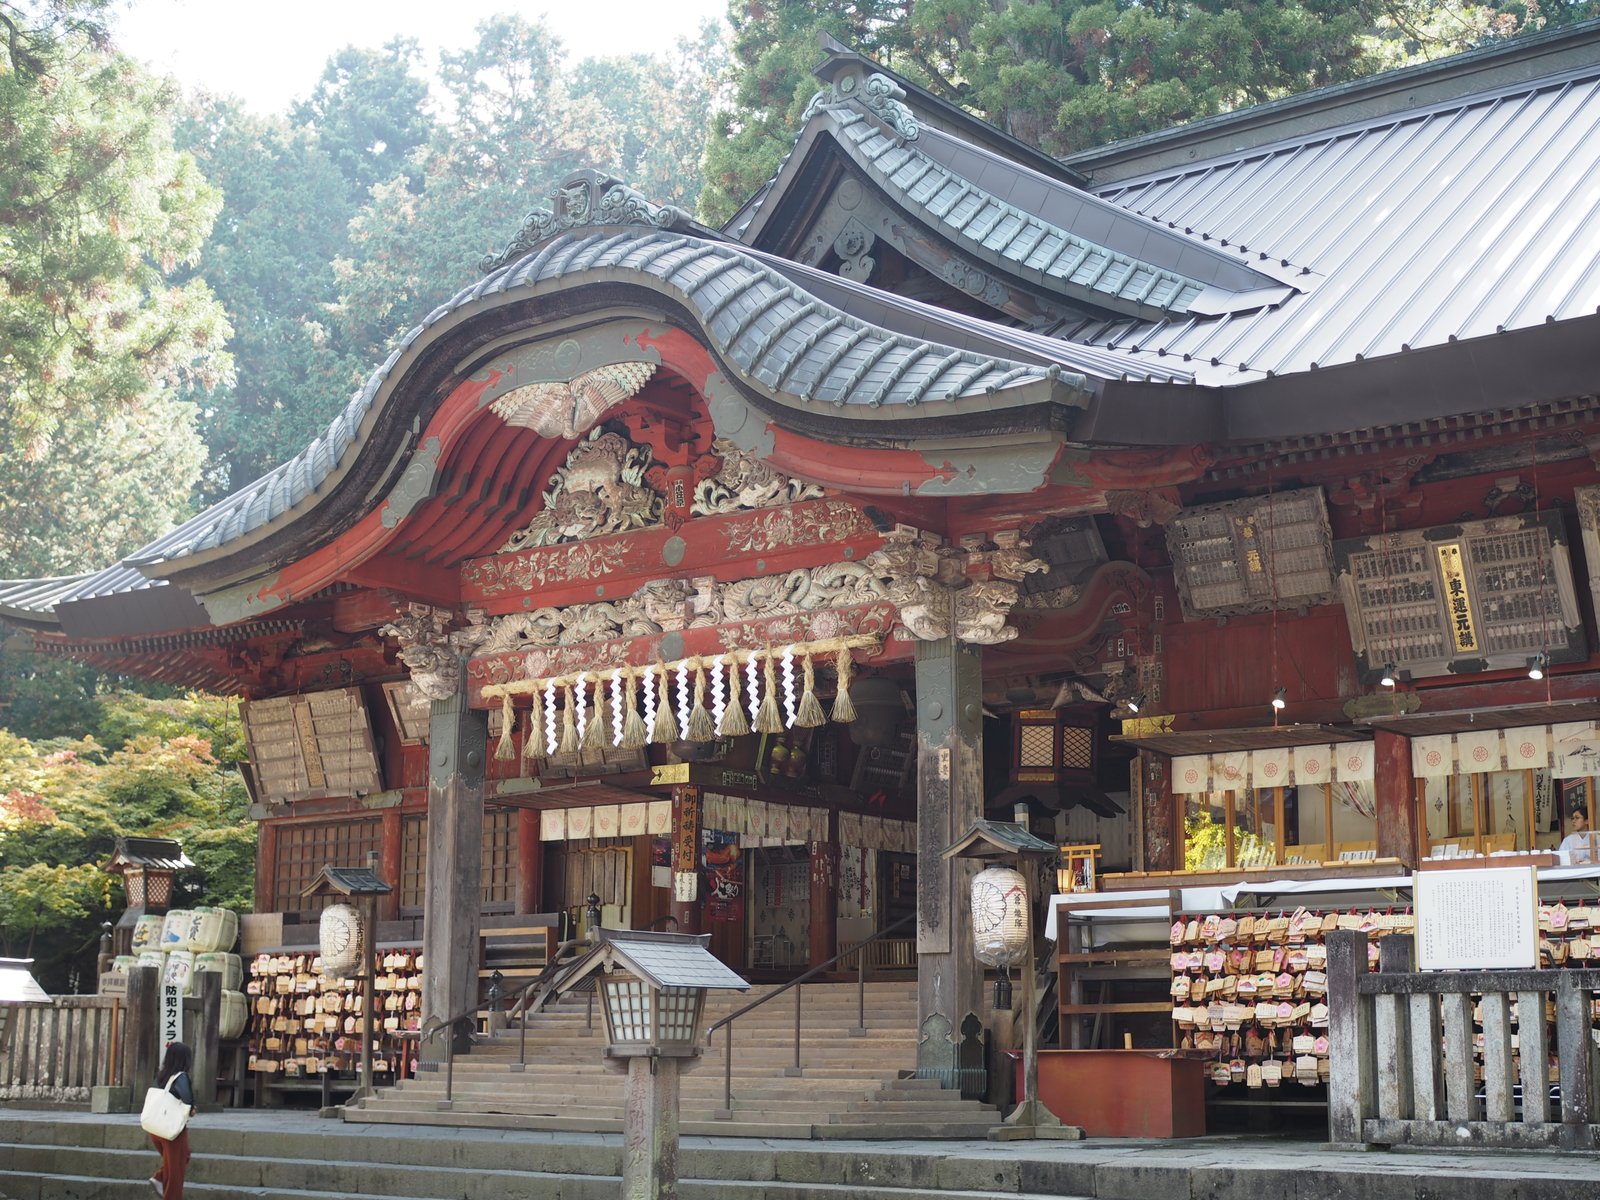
x=998 y=840
x=363 y=884
x=652 y=991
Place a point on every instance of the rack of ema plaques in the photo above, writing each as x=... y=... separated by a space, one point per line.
x=1249 y=990
x=304 y=1024
x=185 y=942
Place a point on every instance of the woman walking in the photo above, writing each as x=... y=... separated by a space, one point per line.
x=168 y=1179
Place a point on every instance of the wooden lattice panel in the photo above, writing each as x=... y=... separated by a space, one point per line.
x=1484 y=595
x=1253 y=555
x=318 y=744
x=1077 y=748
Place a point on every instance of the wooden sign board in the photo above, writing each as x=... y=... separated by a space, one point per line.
x=113 y=983
x=318 y=744
x=1477 y=919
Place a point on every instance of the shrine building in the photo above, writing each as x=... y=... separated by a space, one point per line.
x=1220 y=503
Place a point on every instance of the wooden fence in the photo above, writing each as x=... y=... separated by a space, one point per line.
x=58 y=1051
x=1407 y=1049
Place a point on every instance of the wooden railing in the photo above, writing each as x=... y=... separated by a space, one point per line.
x=59 y=1051
x=1403 y=1069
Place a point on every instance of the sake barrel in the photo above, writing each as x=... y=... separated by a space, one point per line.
x=153 y=958
x=232 y=1020
x=180 y=970
x=122 y=962
x=147 y=933
x=175 y=930
x=212 y=931
x=227 y=965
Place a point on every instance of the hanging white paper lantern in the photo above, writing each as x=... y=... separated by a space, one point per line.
x=999 y=916
x=342 y=939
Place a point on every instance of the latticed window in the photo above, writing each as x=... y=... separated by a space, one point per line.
x=499 y=860
x=413 y=864
x=303 y=850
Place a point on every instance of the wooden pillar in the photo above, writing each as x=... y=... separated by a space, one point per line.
x=389 y=863
x=1160 y=821
x=530 y=862
x=266 y=898
x=205 y=1041
x=685 y=854
x=825 y=894
x=1394 y=790
x=141 y=1055
x=949 y=684
x=458 y=743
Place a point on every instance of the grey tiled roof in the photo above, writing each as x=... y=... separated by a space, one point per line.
x=800 y=347
x=32 y=599
x=1038 y=228
x=1461 y=221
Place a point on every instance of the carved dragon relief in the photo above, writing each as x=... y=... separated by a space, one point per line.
x=431 y=650
x=668 y=604
x=610 y=484
x=938 y=589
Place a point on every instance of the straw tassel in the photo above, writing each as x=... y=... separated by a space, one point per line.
x=666 y=729
x=844 y=709
x=733 y=723
x=634 y=734
x=700 y=728
x=594 y=733
x=569 y=728
x=503 y=750
x=769 y=719
x=809 y=714
x=533 y=741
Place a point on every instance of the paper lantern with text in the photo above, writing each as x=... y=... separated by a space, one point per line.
x=999 y=916
x=342 y=939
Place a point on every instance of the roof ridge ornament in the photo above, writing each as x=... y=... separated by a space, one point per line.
x=585 y=198
x=878 y=94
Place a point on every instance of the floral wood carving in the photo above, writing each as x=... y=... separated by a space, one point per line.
x=600 y=489
x=564 y=410
x=587 y=198
x=935 y=594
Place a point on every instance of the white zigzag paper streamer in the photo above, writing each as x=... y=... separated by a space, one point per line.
x=616 y=707
x=649 y=704
x=752 y=693
x=719 y=698
x=581 y=710
x=786 y=664
x=550 y=739
x=683 y=698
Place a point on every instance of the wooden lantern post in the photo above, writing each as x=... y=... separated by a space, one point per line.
x=361 y=883
x=994 y=841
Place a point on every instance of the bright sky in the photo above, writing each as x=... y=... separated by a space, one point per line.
x=271 y=55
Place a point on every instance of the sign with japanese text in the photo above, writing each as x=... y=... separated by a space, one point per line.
x=1456 y=597
x=1477 y=918
x=169 y=1025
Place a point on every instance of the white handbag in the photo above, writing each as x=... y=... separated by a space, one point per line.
x=164 y=1115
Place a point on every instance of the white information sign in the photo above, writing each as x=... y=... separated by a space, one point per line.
x=1477 y=918
x=170 y=1026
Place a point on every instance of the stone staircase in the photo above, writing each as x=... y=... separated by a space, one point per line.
x=848 y=1086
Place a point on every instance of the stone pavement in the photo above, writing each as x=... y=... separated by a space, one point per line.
x=1220 y=1167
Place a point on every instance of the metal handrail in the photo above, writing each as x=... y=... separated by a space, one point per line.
x=861 y=1006
x=519 y=1008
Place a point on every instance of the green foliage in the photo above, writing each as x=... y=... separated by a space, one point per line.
x=96 y=211
x=151 y=767
x=369 y=113
x=270 y=261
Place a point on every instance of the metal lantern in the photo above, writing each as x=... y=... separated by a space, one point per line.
x=879 y=711
x=342 y=938
x=999 y=916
